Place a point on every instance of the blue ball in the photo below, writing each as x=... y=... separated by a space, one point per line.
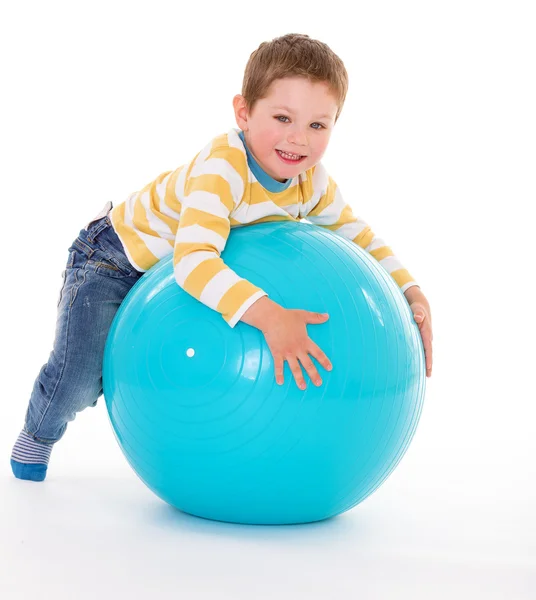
x=195 y=407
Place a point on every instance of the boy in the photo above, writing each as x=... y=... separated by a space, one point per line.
x=267 y=170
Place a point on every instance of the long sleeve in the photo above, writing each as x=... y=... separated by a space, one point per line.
x=213 y=189
x=328 y=209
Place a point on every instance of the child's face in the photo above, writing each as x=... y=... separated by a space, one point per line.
x=303 y=127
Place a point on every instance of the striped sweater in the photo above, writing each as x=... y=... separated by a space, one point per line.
x=191 y=210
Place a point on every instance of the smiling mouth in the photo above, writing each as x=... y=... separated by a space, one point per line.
x=299 y=156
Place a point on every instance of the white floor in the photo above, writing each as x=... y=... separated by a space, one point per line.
x=438 y=528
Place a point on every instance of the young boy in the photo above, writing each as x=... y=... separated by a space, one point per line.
x=269 y=169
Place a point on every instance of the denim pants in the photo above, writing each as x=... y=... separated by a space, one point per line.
x=96 y=279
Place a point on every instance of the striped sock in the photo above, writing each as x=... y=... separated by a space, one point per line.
x=29 y=458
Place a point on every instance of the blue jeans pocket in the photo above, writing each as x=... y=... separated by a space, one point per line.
x=101 y=250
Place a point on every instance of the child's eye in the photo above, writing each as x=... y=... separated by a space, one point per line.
x=283 y=117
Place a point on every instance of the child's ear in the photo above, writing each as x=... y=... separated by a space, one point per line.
x=241 y=112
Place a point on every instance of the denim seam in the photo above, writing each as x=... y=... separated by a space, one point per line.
x=88 y=252
x=37 y=439
x=120 y=266
x=111 y=267
x=84 y=247
x=98 y=228
x=75 y=288
x=63 y=282
x=63 y=361
x=126 y=269
x=74 y=291
x=69 y=265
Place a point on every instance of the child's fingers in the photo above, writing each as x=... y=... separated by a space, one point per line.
x=296 y=371
x=279 y=364
x=310 y=368
x=428 y=352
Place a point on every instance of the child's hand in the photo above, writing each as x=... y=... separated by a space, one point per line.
x=286 y=335
x=423 y=320
x=287 y=338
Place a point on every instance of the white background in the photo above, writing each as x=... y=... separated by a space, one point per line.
x=435 y=148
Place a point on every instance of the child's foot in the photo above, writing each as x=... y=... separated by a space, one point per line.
x=29 y=458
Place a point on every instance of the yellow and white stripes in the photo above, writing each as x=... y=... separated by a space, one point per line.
x=333 y=213
x=214 y=189
x=190 y=212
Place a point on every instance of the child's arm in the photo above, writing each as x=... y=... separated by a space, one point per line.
x=213 y=188
x=333 y=213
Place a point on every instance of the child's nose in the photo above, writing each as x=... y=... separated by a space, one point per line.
x=297 y=139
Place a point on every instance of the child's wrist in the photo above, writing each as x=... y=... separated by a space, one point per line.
x=261 y=312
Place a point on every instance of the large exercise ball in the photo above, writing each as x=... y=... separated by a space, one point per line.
x=195 y=407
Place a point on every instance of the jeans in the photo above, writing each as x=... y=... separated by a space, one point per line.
x=96 y=280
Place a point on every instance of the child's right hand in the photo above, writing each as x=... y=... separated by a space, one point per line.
x=285 y=331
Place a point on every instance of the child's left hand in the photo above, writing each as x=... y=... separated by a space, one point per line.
x=423 y=320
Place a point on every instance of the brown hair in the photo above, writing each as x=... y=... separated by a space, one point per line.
x=293 y=55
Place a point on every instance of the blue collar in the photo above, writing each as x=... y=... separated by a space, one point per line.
x=267 y=181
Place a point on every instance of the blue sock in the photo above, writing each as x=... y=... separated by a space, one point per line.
x=29 y=458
